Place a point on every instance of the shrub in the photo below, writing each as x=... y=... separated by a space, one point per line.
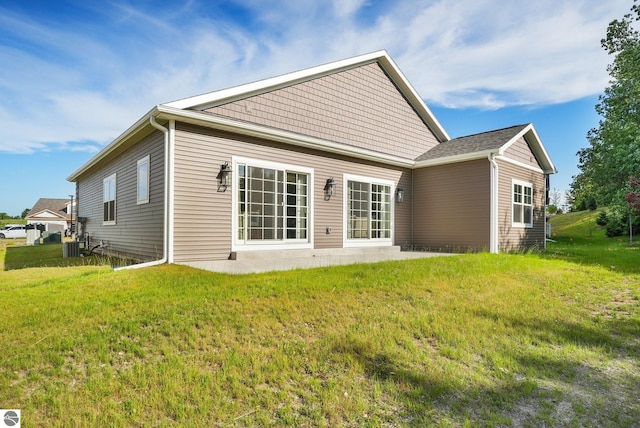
x=615 y=228
x=602 y=219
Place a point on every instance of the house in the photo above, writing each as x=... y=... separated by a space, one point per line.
x=51 y=215
x=343 y=155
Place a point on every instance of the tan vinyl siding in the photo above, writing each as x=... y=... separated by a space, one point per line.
x=452 y=206
x=360 y=107
x=203 y=215
x=521 y=151
x=138 y=231
x=515 y=238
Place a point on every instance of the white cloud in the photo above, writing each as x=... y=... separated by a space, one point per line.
x=345 y=8
x=88 y=82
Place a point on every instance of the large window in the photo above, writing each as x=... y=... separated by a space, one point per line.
x=272 y=203
x=368 y=209
x=109 y=199
x=522 y=204
x=143 y=180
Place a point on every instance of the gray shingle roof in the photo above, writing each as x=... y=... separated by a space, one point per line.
x=485 y=141
x=58 y=206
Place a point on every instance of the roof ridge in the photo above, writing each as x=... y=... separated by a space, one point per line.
x=491 y=131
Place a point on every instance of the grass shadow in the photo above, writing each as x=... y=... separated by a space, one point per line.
x=544 y=384
x=610 y=253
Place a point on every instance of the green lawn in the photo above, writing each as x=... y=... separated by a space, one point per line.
x=578 y=239
x=534 y=340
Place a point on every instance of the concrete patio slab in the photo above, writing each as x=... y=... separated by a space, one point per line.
x=267 y=261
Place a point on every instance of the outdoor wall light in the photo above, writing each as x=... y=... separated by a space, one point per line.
x=399 y=195
x=329 y=187
x=224 y=177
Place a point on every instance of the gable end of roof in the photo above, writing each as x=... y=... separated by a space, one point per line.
x=382 y=58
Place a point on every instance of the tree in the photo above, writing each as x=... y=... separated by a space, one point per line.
x=555 y=197
x=633 y=197
x=613 y=154
x=25 y=212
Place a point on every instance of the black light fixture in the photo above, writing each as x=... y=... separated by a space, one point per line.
x=399 y=195
x=329 y=187
x=224 y=177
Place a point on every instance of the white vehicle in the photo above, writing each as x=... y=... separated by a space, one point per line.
x=14 y=232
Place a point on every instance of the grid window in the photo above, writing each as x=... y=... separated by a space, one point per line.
x=522 y=204
x=272 y=204
x=368 y=210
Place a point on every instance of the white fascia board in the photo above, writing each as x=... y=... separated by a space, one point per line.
x=272 y=134
x=515 y=138
x=212 y=99
x=223 y=96
x=455 y=159
x=538 y=148
x=403 y=84
x=550 y=168
x=133 y=129
x=46 y=214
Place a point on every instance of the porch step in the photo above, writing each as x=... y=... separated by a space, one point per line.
x=266 y=255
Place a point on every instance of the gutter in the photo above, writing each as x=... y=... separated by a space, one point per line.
x=165 y=246
x=493 y=228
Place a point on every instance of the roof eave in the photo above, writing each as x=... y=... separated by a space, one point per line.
x=543 y=157
x=45 y=211
x=484 y=154
x=121 y=139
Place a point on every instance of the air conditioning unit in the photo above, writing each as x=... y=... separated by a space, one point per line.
x=71 y=249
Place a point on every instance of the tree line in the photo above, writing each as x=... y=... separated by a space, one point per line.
x=610 y=166
x=5 y=216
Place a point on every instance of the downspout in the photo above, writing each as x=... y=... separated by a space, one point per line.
x=493 y=228
x=165 y=239
x=413 y=207
x=544 y=209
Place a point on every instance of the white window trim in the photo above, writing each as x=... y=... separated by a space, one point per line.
x=145 y=200
x=518 y=223
x=115 y=200
x=238 y=245
x=369 y=242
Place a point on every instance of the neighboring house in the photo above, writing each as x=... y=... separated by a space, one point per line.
x=341 y=155
x=52 y=215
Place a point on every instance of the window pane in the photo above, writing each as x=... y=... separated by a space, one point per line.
x=527 y=195
x=105 y=191
x=143 y=180
x=517 y=193
x=517 y=213
x=357 y=227
x=528 y=217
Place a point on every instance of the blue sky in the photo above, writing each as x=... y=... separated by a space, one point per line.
x=76 y=74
